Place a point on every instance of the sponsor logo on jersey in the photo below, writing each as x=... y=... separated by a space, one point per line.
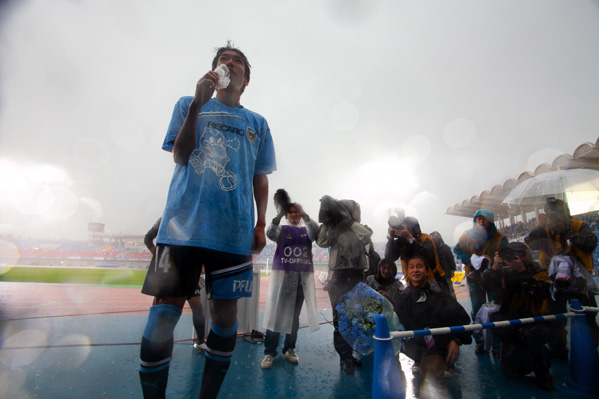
x=226 y=128
x=251 y=134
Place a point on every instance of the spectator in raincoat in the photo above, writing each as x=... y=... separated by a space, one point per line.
x=291 y=282
x=476 y=249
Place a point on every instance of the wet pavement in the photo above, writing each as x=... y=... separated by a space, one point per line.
x=73 y=341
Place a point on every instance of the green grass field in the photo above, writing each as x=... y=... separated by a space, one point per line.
x=74 y=275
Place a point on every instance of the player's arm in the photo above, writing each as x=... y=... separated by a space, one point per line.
x=151 y=235
x=461 y=254
x=261 y=198
x=185 y=142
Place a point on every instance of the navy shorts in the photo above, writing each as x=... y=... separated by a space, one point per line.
x=175 y=271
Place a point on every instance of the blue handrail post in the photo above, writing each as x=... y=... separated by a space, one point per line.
x=386 y=380
x=584 y=360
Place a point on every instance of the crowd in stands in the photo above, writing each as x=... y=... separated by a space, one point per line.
x=517 y=231
x=90 y=253
x=28 y=251
x=592 y=219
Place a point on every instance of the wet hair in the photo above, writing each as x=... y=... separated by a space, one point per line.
x=231 y=47
x=388 y=262
x=522 y=249
x=392 y=268
x=422 y=258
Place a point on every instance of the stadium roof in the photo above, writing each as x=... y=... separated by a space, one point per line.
x=586 y=156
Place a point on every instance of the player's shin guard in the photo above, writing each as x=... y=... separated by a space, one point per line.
x=219 y=349
x=157 y=349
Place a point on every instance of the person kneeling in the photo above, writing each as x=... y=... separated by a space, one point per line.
x=422 y=305
x=524 y=293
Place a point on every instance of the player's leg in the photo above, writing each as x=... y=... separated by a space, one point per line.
x=228 y=277
x=220 y=345
x=167 y=280
x=291 y=339
x=157 y=347
x=199 y=321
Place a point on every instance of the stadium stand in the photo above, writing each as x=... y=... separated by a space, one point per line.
x=132 y=253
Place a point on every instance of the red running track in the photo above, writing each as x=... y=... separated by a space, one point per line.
x=30 y=300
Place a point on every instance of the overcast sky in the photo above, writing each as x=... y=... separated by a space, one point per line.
x=413 y=104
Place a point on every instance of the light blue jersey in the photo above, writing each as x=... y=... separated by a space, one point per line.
x=210 y=200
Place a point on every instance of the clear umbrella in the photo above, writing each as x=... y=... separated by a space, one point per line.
x=569 y=185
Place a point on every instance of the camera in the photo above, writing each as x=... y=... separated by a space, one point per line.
x=554 y=217
x=484 y=264
x=554 y=205
x=507 y=254
x=395 y=223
